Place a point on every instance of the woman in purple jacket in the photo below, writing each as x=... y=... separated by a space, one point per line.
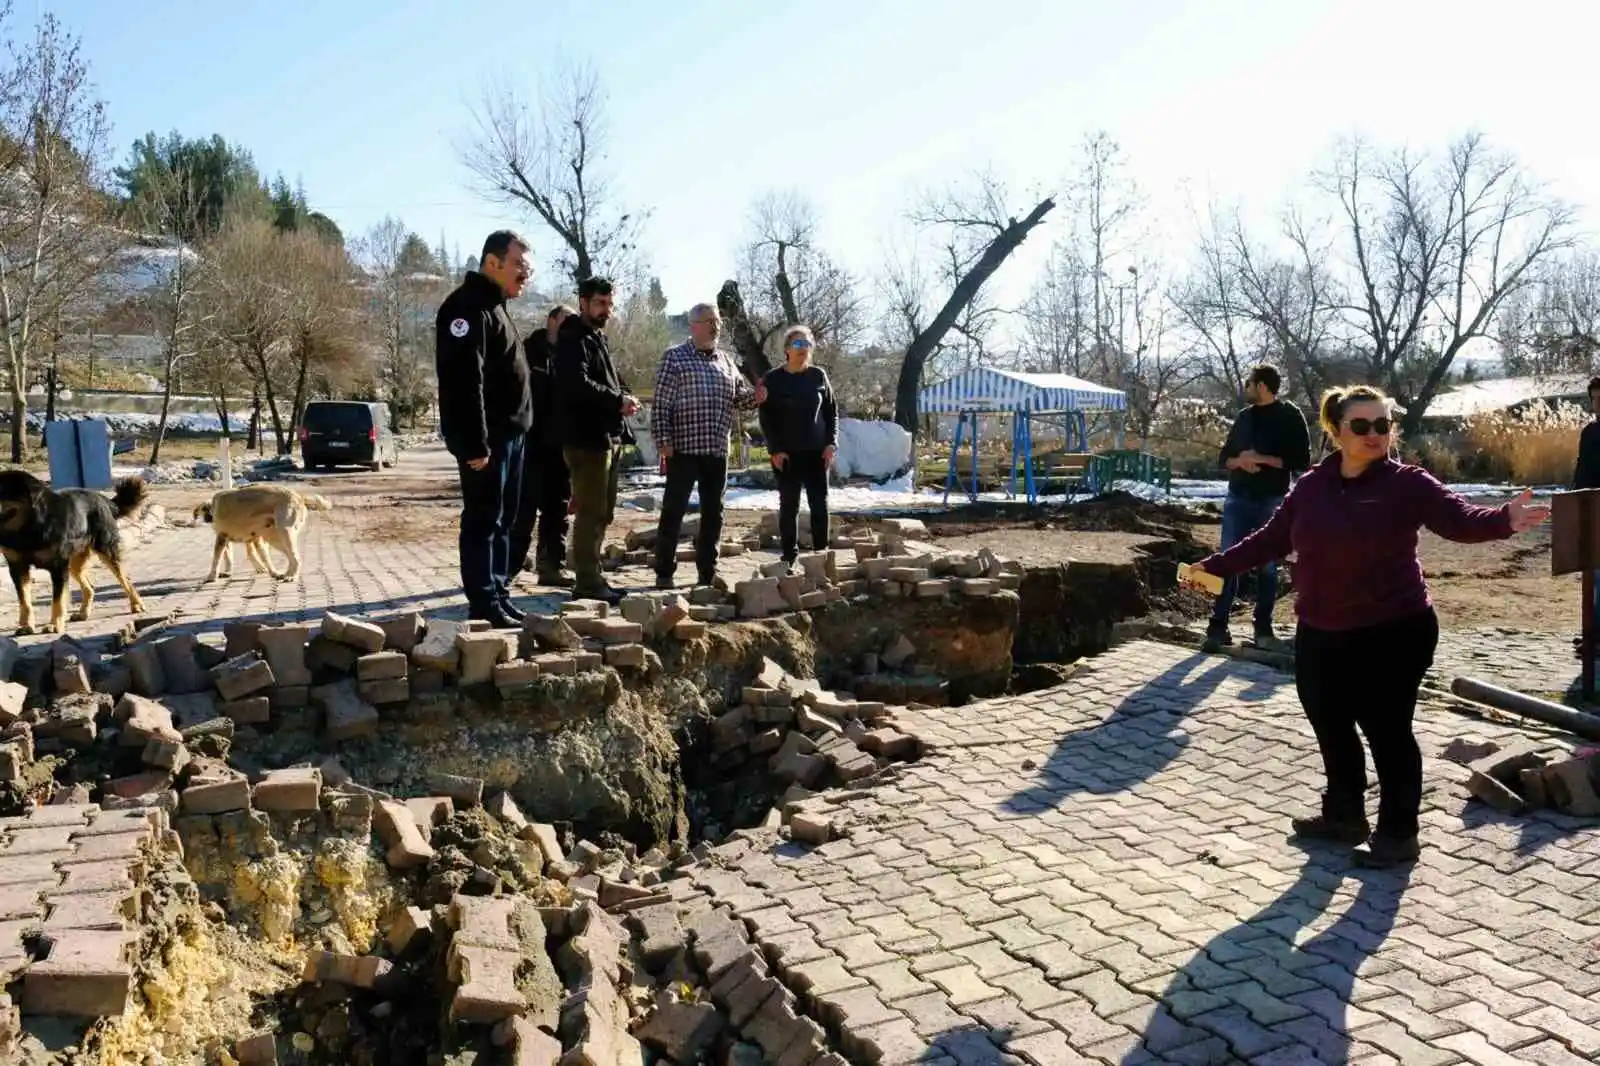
x=1367 y=629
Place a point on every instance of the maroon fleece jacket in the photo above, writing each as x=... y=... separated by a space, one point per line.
x=1355 y=541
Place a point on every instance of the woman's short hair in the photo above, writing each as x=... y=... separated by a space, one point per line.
x=798 y=331
x=1335 y=402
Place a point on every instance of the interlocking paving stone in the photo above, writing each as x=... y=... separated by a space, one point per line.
x=1135 y=895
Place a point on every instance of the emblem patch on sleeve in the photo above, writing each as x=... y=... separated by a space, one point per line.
x=459 y=328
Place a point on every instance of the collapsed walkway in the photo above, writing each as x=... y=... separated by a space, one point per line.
x=1098 y=873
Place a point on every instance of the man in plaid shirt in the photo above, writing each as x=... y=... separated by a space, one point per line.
x=697 y=391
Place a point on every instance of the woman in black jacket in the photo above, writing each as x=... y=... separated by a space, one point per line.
x=801 y=423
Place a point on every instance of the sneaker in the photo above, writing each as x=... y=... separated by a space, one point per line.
x=1216 y=640
x=705 y=580
x=511 y=611
x=665 y=583
x=1381 y=852
x=1336 y=830
x=555 y=578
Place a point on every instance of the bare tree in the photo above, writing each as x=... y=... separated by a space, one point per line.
x=1295 y=298
x=1434 y=248
x=320 y=322
x=400 y=312
x=249 y=310
x=549 y=160
x=1212 y=310
x=53 y=236
x=976 y=234
x=171 y=210
x=785 y=279
x=1056 y=314
x=1555 y=328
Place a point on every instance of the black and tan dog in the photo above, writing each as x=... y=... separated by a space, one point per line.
x=59 y=532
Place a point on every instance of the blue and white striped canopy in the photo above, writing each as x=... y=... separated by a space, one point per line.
x=984 y=389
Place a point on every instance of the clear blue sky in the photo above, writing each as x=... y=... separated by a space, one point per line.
x=859 y=104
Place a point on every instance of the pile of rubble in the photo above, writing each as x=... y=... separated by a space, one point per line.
x=1524 y=777
x=885 y=561
x=123 y=762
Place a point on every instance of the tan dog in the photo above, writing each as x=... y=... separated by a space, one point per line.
x=256 y=516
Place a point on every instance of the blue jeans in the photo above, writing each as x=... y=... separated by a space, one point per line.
x=1242 y=516
x=489 y=503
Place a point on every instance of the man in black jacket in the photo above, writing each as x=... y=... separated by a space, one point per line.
x=485 y=409
x=546 y=485
x=1266 y=446
x=591 y=406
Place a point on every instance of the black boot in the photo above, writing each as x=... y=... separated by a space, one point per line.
x=1383 y=852
x=1338 y=830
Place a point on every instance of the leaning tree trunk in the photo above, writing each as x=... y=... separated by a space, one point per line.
x=730 y=304
x=923 y=344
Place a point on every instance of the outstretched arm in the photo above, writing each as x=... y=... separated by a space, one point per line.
x=1452 y=517
x=1270 y=542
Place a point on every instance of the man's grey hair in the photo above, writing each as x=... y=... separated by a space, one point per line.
x=700 y=312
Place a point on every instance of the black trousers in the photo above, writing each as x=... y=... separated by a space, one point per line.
x=684 y=473
x=489 y=503
x=802 y=471
x=1368 y=679
x=546 y=494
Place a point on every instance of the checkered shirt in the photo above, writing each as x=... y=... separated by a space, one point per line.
x=696 y=394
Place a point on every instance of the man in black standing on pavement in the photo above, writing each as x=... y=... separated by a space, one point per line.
x=1266 y=446
x=699 y=392
x=546 y=485
x=591 y=405
x=485 y=409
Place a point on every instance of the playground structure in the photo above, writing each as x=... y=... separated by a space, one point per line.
x=1057 y=401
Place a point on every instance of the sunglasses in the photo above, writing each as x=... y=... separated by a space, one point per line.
x=1362 y=427
x=800 y=344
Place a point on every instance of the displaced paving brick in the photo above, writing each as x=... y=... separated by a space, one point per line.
x=430 y=812
x=437 y=649
x=1570 y=786
x=407 y=925
x=241 y=677
x=293 y=789
x=480 y=652
x=486 y=982
x=464 y=791
x=345 y=714
x=363 y=636
x=13 y=698
x=258 y=1050
x=285 y=650
x=811 y=828
x=397 y=828
x=216 y=795
x=402 y=633
x=356 y=971
x=385 y=691
x=251 y=710
x=144 y=720
x=382 y=666
x=658 y=933
x=681 y=1031
x=514 y=673
x=86 y=974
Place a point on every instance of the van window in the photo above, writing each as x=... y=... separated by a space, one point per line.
x=349 y=417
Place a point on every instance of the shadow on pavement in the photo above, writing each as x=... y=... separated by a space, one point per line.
x=1259 y=987
x=1138 y=739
